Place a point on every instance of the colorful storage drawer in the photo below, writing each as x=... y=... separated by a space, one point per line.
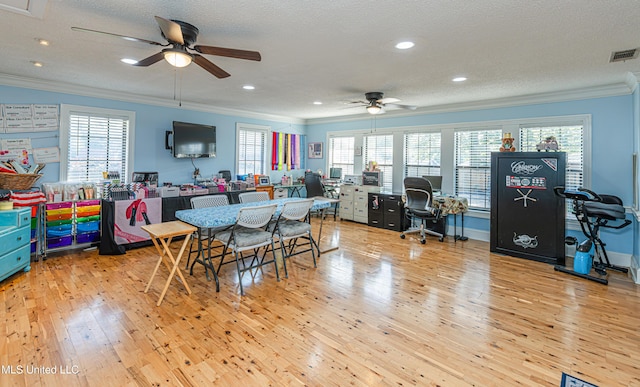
x=59 y=222
x=84 y=203
x=59 y=231
x=57 y=206
x=59 y=242
x=92 y=218
x=87 y=211
x=88 y=237
x=88 y=227
x=59 y=217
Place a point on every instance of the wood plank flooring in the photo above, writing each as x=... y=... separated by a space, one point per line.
x=378 y=311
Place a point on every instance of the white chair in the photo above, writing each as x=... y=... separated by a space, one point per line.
x=292 y=225
x=203 y=234
x=250 y=197
x=249 y=234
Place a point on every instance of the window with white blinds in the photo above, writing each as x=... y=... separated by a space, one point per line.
x=570 y=139
x=341 y=154
x=473 y=165
x=379 y=148
x=252 y=149
x=422 y=154
x=94 y=141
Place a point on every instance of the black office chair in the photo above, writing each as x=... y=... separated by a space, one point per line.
x=419 y=206
x=315 y=188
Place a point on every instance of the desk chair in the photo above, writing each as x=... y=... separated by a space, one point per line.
x=315 y=188
x=249 y=234
x=292 y=225
x=249 y=197
x=202 y=235
x=418 y=206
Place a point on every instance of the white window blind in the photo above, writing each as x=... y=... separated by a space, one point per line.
x=473 y=165
x=341 y=154
x=379 y=148
x=252 y=150
x=96 y=143
x=570 y=139
x=422 y=154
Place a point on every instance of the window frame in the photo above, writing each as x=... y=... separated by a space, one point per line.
x=265 y=131
x=331 y=154
x=432 y=170
x=387 y=181
x=66 y=111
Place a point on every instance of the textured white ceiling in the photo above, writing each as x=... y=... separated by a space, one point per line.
x=332 y=51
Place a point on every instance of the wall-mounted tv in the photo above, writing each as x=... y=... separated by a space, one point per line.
x=192 y=140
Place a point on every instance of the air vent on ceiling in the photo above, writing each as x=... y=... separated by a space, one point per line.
x=621 y=56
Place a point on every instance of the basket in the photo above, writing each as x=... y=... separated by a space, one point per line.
x=18 y=181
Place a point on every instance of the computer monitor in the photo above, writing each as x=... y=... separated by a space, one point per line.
x=436 y=182
x=335 y=173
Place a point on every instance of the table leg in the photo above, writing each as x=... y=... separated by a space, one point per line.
x=320 y=252
x=155 y=269
x=175 y=262
x=460 y=237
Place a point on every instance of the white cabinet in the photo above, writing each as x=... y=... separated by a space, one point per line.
x=346 y=201
x=354 y=202
x=280 y=192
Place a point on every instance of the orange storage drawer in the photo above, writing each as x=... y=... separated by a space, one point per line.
x=88 y=210
x=59 y=217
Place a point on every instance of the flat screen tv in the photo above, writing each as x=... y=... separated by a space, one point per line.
x=192 y=140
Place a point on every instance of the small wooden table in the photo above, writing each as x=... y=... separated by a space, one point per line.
x=165 y=232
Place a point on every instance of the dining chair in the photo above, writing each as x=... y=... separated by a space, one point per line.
x=249 y=197
x=292 y=225
x=249 y=234
x=202 y=235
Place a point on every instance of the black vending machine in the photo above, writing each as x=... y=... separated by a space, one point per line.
x=527 y=218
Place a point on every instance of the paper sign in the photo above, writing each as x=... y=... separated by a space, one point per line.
x=46 y=155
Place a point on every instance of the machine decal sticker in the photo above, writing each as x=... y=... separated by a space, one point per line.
x=552 y=163
x=522 y=168
x=525 y=197
x=525 y=241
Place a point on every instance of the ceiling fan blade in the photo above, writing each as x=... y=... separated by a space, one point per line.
x=171 y=30
x=388 y=100
x=130 y=38
x=150 y=60
x=210 y=67
x=406 y=107
x=228 y=52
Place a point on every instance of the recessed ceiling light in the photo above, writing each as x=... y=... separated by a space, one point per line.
x=128 y=61
x=36 y=63
x=459 y=79
x=248 y=87
x=317 y=102
x=404 y=45
x=42 y=42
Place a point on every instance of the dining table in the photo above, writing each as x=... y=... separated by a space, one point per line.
x=210 y=218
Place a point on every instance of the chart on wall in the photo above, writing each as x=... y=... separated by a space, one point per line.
x=23 y=118
x=527 y=218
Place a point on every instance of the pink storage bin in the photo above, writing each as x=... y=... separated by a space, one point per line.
x=56 y=206
x=84 y=203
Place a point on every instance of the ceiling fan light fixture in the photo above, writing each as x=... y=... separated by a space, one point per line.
x=177 y=58
x=374 y=109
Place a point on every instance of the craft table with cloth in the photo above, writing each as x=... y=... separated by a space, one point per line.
x=165 y=232
x=216 y=217
x=453 y=205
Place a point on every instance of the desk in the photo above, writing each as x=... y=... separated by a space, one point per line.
x=215 y=217
x=453 y=205
x=165 y=232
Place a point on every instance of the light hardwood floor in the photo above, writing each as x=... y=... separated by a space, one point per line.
x=378 y=311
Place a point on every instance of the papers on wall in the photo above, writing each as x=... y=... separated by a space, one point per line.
x=21 y=118
x=46 y=155
x=15 y=149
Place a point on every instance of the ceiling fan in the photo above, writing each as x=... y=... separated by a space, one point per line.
x=181 y=36
x=376 y=103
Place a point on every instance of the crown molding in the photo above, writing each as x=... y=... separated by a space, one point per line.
x=67 y=88
x=632 y=79
x=612 y=90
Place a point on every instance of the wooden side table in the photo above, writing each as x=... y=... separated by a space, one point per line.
x=165 y=232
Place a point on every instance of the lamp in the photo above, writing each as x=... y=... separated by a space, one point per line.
x=374 y=108
x=177 y=58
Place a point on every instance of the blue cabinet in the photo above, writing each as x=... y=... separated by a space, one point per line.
x=15 y=239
